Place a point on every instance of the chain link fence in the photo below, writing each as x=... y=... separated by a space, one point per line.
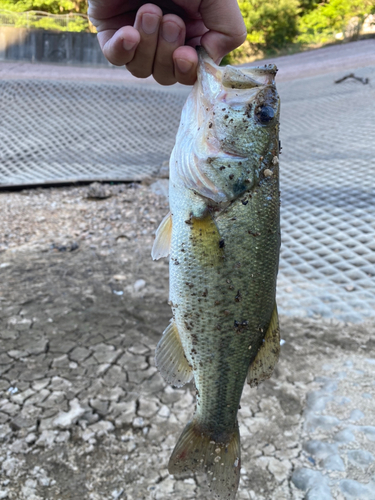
x=54 y=131
x=34 y=19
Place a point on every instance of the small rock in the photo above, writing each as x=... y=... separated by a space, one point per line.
x=100 y=406
x=98 y=191
x=123 y=412
x=138 y=285
x=20 y=397
x=106 y=354
x=30 y=438
x=37 y=398
x=60 y=384
x=38 y=385
x=130 y=362
x=66 y=420
x=279 y=469
x=61 y=362
x=164 y=489
x=102 y=427
x=79 y=354
x=10 y=408
x=120 y=277
x=147 y=408
x=10 y=466
x=18 y=354
x=5 y=431
x=62 y=437
x=87 y=434
x=18 y=446
x=138 y=423
x=164 y=411
x=46 y=439
x=21 y=422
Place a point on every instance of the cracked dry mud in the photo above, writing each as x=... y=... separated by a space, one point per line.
x=84 y=414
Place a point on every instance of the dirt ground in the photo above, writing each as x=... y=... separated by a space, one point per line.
x=84 y=414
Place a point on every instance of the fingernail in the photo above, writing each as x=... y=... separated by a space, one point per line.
x=128 y=45
x=170 y=32
x=183 y=65
x=149 y=23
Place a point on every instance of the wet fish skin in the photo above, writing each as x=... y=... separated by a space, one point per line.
x=223 y=233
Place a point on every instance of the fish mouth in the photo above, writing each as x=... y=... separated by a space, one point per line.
x=232 y=77
x=247 y=78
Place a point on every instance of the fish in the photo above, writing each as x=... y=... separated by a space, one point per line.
x=223 y=238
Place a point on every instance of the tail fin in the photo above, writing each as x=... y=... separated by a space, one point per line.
x=221 y=461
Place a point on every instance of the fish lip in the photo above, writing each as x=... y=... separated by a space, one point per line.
x=239 y=77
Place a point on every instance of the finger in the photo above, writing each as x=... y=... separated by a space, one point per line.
x=119 y=46
x=226 y=25
x=185 y=65
x=147 y=24
x=195 y=29
x=171 y=36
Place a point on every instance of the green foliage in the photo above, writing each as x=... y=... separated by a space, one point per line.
x=61 y=15
x=270 y=25
x=51 y=6
x=274 y=25
x=322 y=24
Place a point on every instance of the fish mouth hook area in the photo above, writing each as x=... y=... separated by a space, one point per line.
x=239 y=77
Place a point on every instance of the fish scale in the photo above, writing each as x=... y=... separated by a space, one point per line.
x=212 y=343
x=223 y=236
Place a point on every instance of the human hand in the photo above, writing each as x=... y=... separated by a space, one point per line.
x=159 y=40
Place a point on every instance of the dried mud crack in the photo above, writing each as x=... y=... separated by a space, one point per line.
x=84 y=414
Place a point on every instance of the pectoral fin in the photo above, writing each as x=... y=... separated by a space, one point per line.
x=170 y=358
x=163 y=237
x=207 y=243
x=262 y=366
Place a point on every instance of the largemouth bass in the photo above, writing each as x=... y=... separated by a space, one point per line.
x=223 y=237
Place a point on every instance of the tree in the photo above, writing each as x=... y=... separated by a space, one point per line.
x=270 y=24
x=336 y=17
x=51 y=6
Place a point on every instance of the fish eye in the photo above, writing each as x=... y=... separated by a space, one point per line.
x=265 y=114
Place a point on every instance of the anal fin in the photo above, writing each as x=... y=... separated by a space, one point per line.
x=170 y=358
x=264 y=363
x=163 y=237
